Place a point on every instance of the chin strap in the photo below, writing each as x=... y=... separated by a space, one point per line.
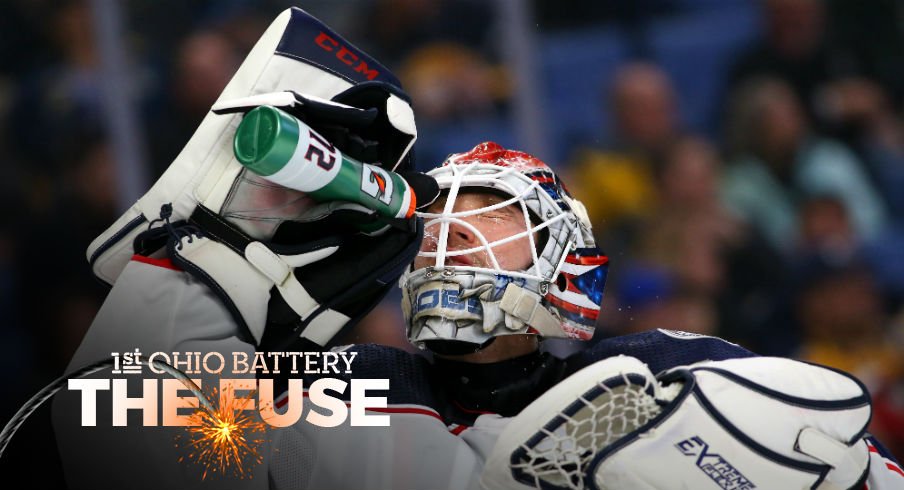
x=448 y=310
x=243 y=272
x=527 y=307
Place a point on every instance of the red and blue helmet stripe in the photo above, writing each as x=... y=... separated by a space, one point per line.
x=584 y=276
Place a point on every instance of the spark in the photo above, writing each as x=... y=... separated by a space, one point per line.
x=226 y=440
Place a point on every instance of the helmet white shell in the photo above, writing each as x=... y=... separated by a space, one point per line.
x=557 y=295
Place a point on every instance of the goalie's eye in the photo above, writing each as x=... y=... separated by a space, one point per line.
x=497 y=238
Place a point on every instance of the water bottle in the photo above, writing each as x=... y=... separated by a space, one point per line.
x=284 y=150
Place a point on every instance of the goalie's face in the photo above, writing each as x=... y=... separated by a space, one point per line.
x=479 y=233
x=506 y=252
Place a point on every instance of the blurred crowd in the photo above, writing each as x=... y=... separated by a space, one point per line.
x=742 y=160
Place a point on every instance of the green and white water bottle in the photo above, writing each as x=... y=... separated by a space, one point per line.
x=284 y=150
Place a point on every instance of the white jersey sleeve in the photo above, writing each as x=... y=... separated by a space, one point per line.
x=153 y=308
x=158 y=309
x=416 y=451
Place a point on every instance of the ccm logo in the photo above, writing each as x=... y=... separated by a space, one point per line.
x=345 y=55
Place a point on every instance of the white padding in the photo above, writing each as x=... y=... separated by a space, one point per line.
x=206 y=168
x=820 y=446
x=326 y=327
x=848 y=461
x=247 y=281
x=743 y=424
x=497 y=473
x=297 y=297
x=304 y=259
x=401 y=116
x=793 y=413
x=793 y=378
x=745 y=407
x=245 y=285
x=267 y=262
x=279 y=99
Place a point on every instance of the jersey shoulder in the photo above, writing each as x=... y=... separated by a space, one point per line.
x=408 y=373
x=660 y=349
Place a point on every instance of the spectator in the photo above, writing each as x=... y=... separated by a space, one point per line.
x=712 y=257
x=812 y=43
x=391 y=29
x=60 y=96
x=826 y=228
x=861 y=111
x=844 y=324
x=793 y=49
x=616 y=183
x=778 y=162
x=645 y=108
x=58 y=291
x=447 y=81
x=204 y=64
x=689 y=230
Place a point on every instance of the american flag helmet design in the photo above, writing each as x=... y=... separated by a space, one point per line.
x=566 y=276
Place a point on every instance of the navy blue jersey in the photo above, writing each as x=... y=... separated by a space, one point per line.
x=461 y=391
x=660 y=349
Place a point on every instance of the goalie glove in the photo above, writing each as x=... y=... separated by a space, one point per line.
x=736 y=424
x=318 y=275
x=370 y=122
x=361 y=106
x=272 y=255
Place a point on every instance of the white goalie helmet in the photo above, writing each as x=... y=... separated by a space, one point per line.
x=465 y=288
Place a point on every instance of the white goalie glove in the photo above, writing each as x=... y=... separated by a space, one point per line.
x=737 y=424
x=285 y=266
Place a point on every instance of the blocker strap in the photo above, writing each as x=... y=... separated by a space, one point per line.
x=525 y=306
x=846 y=461
x=238 y=284
x=220 y=230
x=226 y=233
x=812 y=442
x=247 y=270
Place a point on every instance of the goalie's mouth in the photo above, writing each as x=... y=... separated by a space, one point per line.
x=460 y=260
x=450 y=261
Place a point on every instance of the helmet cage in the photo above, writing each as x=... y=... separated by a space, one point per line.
x=533 y=201
x=557 y=295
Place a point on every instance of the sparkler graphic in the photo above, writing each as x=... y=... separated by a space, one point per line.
x=225 y=439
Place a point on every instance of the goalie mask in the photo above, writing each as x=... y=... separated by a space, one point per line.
x=506 y=251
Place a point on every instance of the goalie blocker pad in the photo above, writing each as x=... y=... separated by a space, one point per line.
x=314 y=284
x=737 y=424
x=296 y=53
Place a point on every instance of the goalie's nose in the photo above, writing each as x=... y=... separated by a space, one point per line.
x=461 y=237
